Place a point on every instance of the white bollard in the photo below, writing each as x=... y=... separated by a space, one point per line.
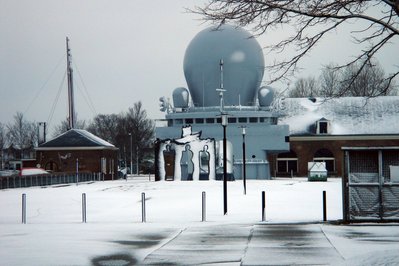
x=203 y=206
x=143 y=214
x=24 y=208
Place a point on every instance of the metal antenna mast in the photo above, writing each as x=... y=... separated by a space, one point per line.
x=221 y=89
x=71 y=105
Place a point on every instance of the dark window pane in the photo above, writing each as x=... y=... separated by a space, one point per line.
x=330 y=165
x=292 y=165
x=323 y=127
x=282 y=166
x=232 y=120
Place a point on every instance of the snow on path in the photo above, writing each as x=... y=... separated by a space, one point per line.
x=55 y=235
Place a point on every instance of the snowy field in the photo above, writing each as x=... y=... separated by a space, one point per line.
x=55 y=235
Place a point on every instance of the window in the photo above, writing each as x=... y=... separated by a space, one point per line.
x=325 y=155
x=287 y=165
x=210 y=120
x=219 y=120
x=264 y=120
x=178 y=121
x=232 y=120
x=253 y=120
x=242 y=119
x=199 y=120
x=322 y=126
x=189 y=120
x=287 y=162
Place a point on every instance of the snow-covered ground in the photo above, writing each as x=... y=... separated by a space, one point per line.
x=55 y=235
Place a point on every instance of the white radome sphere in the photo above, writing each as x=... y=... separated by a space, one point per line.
x=243 y=66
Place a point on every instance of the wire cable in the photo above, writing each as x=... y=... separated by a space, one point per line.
x=56 y=100
x=86 y=97
x=44 y=85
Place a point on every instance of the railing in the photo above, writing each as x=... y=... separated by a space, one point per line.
x=17 y=181
x=250 y=161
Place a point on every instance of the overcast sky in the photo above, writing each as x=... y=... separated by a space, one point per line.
x=123 y=51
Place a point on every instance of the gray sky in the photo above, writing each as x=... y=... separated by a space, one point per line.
x=124 y=51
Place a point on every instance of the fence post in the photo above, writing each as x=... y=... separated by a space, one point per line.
x=77 y=171
x=143 y=218
x=263 y=206
x=84 y=208
x=324 y=206
x=24 y=208
x=203 y=206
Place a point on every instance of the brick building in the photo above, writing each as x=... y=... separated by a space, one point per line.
x=320 y=129
x=79 y=149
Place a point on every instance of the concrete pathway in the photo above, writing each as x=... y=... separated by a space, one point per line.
x=260 y=244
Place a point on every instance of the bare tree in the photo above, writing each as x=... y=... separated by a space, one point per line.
x=304 y=87
x=22 y=133
x=116 y=129
x=2 y=143
x=330 y=81
x=105 y=127
x=2 y=136
x=64 y=126
x=140 y=127
x=369 y=82
x=311 y=21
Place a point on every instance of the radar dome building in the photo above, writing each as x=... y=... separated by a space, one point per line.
x=223 y=67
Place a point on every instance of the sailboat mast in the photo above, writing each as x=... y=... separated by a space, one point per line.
x=71 y=117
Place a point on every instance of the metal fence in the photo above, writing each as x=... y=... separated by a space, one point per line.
x=17 y=181
x=371 y=189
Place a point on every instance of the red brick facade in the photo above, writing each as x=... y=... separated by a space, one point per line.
x=305 y=148
x=88 y=161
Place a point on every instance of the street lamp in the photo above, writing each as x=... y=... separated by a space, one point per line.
x=137 y=159
x=131 y=160
x=224 y=124
x=244 y=179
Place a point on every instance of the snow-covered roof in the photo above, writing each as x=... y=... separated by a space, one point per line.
x=347 y=115
x=76 y=138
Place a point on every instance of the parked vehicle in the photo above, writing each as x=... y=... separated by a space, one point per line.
x=33 y=171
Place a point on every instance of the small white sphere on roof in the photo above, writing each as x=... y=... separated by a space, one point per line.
x=265 y=96
x=180 y=97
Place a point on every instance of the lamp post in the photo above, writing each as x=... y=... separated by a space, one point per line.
x=137 y=159
x=244 y=179
x=224 y=124
x=131 y=160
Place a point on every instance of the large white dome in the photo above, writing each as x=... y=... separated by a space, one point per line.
x=243 y=66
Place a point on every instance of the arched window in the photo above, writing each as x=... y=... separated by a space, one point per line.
x=287 y=163
x=51 y=166
x=325 y=155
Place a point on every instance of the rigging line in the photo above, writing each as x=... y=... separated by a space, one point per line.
x=85 y=98
x=89 y=102
x=56 y=100
x=44 y=85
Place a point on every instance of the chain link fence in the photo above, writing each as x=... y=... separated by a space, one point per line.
x=371 y=191
x=16 y=181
